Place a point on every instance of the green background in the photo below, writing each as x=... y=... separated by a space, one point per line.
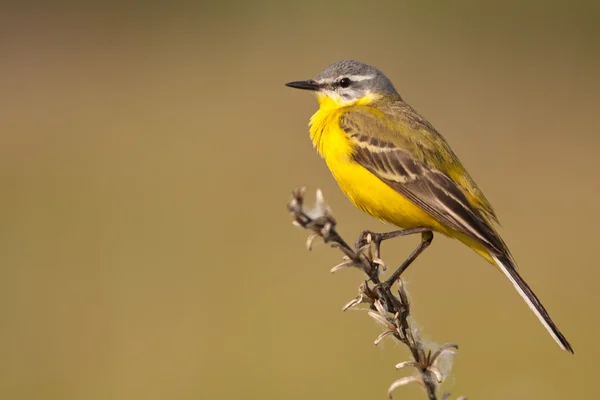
x=147 y=151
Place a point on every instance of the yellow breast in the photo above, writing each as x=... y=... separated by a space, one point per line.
x=365 y=190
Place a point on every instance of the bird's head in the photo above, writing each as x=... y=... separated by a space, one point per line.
x=348 y=82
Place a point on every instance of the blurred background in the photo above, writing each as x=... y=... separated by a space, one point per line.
x=147 y=151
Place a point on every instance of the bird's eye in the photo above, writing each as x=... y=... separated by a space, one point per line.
x=345 y=82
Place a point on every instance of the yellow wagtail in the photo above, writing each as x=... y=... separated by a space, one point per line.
x=394 y=165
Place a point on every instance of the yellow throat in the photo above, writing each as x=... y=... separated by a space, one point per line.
x=326 y=134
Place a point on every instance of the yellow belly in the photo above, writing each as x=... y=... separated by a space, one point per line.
x=376 y=198
x=365 y=190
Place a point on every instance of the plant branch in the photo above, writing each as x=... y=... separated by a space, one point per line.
x=387 y=308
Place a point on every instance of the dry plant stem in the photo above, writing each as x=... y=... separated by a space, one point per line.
x=388 y=309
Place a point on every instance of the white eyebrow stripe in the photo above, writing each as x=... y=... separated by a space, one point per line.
x=354 y=78
x=358 y=78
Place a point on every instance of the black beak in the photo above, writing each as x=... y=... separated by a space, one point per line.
x=305 y=85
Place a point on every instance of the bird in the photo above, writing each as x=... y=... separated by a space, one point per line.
x=394 y=165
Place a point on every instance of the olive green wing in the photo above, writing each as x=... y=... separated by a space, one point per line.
x=431 y=144
x=421 y=167
x=400 y=123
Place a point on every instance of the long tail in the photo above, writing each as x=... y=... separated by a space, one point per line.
x=507 y=266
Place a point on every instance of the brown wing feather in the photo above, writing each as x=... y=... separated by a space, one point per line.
x=418 y=180
x=400 y=125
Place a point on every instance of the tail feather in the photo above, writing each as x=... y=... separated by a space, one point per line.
x=508 y=268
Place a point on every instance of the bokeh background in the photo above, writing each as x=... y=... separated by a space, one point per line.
x=147 y=151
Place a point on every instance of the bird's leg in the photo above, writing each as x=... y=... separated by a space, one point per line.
x=426 y=239
x=367 y=237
